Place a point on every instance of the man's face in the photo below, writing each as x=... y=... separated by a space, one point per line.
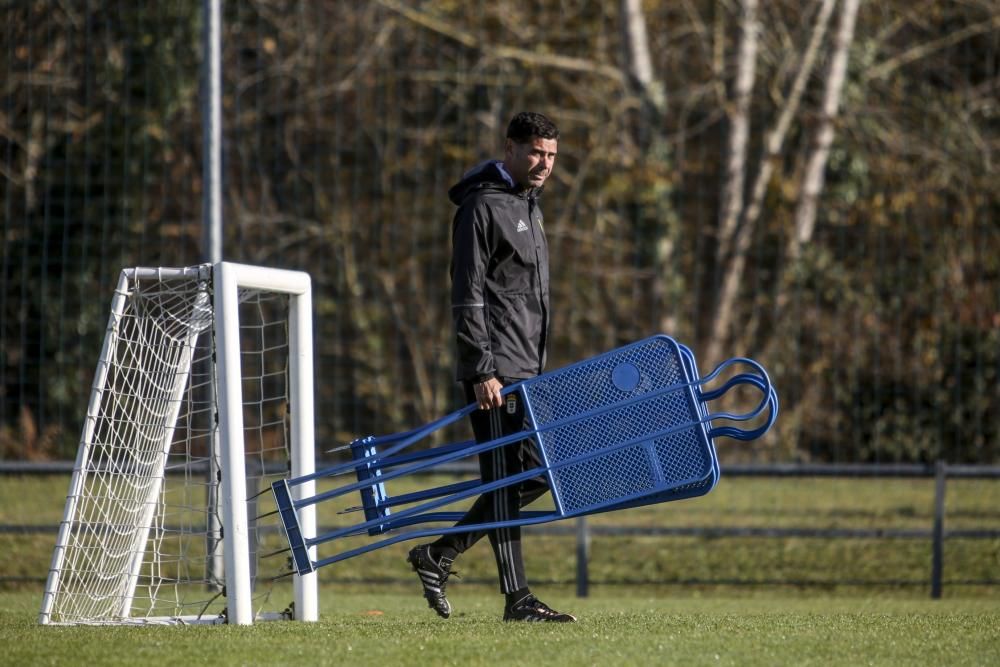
x=530 y=163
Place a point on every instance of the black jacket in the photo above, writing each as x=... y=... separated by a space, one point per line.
x=500 y=277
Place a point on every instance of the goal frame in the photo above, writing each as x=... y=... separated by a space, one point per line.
x=227 y=279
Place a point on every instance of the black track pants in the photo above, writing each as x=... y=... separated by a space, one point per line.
x=503 y=504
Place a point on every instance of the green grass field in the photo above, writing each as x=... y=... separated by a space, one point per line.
x=856 y=565
x=757 y=600
x=618 y=627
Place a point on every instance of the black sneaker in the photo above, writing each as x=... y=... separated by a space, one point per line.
x=433 y=576
x=532 y=609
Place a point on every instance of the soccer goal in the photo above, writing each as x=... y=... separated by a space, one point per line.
x=202 y=398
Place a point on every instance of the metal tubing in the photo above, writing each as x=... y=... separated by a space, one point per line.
x=212 y=132
x=582 y=557
x=937 y=541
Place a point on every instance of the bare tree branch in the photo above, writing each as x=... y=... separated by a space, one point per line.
x=773 y=144
x=919 y=51
x=812 y=181
x=739 y=130
x=640 y=64
x=535 y=58
x=728 y=259
x=775 y=139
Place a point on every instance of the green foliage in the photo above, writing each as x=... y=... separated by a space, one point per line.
x=90 y=98
x=345 y=124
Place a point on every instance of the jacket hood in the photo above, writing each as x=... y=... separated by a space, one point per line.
x=489 y=174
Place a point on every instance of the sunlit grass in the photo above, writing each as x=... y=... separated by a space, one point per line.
x=629 y=627
x=846 y=563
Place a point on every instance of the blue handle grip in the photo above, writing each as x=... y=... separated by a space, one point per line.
x=750 y=434
x=760 y=381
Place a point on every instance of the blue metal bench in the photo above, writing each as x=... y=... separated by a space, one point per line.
x=626 y=428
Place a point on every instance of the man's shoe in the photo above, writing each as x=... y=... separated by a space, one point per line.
x=433 y=576
x=532 y=609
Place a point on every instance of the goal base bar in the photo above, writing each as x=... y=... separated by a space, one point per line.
x=179 y=620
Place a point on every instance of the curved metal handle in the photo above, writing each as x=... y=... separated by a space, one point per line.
x=750 y=434
x=742 y=378
x=759 y=380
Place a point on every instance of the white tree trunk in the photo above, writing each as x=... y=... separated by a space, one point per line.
x=728 y=255
x=648 y=131
x=739 y=130
x=812 y=180
x=637 y=56
x=775 y=140
x=773 y=144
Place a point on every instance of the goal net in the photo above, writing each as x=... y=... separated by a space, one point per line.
x=202 y=397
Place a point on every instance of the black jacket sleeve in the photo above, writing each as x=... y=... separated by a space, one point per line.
x=470 y=256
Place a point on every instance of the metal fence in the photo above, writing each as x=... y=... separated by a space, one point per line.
x=935 y=535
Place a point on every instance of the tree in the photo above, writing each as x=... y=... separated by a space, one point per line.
x=812 y=180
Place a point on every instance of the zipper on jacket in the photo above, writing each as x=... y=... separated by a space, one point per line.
x=542 y=339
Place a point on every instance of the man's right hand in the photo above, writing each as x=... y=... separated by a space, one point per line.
x=488 y=394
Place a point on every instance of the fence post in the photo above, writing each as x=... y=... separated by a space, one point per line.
x=582 y=557
x=937 y=546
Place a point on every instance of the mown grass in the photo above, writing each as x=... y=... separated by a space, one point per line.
x=855 y=565
x=630 y=628
x=655 y=600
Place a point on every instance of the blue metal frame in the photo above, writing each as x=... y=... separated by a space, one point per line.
x=626 y=428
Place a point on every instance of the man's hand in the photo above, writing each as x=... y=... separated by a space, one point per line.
x=488 y=394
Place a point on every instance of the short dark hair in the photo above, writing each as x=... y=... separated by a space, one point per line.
x=528 y=124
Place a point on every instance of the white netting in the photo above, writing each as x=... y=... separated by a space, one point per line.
x=144 y=536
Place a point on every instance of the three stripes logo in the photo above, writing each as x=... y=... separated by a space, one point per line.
x=521 y=226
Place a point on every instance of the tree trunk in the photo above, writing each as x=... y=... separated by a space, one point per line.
x=812 y=180
x=648 y=136
x=775 y=140
x=638 y=61
x=729 y=257
x=739 y=131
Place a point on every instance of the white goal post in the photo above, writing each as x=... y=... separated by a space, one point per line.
x=203 y=395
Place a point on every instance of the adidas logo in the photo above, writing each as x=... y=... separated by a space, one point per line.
x=521 y=227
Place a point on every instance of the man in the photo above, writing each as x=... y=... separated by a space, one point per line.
x=500 y=307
